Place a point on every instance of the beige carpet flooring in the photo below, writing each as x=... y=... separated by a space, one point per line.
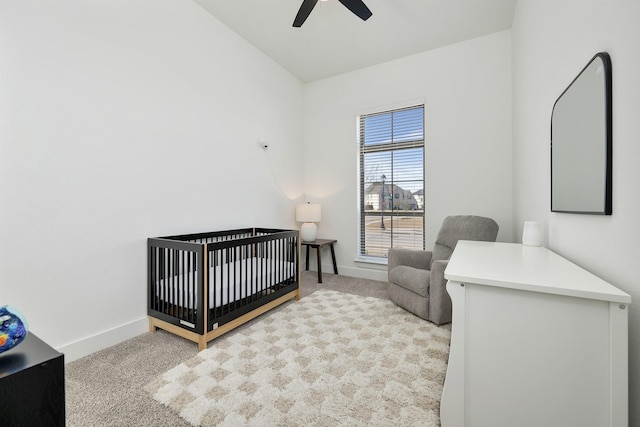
x=328 y=360
x=107 y=388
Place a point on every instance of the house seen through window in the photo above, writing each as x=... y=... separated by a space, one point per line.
x=391 y=178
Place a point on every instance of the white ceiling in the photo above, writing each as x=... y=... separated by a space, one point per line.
x=333 y=40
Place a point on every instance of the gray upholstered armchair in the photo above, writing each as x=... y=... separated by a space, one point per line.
x=416 y=278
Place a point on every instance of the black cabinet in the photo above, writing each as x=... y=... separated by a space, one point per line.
x=32 y=385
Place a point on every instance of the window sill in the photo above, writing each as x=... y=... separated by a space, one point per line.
x=371 y=260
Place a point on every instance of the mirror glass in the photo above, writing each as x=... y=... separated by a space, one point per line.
x=581 y=142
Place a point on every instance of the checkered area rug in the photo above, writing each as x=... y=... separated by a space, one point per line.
x=329 y=359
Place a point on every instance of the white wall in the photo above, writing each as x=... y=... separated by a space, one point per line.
x=552 y=41
x=119 y=121
x=466 y=88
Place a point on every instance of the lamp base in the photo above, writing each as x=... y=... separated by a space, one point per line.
x=309 y=231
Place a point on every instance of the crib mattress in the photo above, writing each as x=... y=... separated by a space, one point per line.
x=229 y=282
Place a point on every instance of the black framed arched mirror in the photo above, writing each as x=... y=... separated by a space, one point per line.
x=581 y=146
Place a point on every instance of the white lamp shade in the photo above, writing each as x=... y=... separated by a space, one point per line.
x=308 y=212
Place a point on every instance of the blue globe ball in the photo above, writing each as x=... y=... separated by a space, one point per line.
x=13 y=328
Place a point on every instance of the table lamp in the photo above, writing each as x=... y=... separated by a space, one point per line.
x=308 y=214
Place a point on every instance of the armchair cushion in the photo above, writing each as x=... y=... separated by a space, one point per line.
x=414 y=279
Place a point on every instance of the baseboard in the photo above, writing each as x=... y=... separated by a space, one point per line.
x=361 y=273
x=86 y=346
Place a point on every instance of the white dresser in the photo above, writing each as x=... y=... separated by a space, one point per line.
x=535 y=341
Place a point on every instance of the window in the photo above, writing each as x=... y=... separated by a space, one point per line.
x=391 y=175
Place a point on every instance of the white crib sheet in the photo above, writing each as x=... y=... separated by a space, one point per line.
x=261 y=273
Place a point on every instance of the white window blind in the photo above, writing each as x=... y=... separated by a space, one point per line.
x=391 y=181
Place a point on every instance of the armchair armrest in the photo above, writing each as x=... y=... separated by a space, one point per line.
x=439 y=299
x=409 y=257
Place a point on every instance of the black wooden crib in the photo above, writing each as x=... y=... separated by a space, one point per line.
x=249 y=271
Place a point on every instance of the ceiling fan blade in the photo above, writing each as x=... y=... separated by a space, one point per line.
x=357 y=7
x=303 y=13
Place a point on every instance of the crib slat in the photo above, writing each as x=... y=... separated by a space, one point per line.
x=188 y=286
x=279 y=260
x=230 y=290
x=263 y=275
x=272 y=254
x=184 y=288
x=167 y=278
x=243 y=273
x=153 y=277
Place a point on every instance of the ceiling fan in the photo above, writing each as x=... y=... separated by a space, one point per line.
x=355 y=6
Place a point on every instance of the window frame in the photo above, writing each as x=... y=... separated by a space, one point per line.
x=361 y=180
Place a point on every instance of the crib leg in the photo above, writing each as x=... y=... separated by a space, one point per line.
x=202 y=343
x=152 y=326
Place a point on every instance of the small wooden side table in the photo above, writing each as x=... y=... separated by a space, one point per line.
x=318 y=244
